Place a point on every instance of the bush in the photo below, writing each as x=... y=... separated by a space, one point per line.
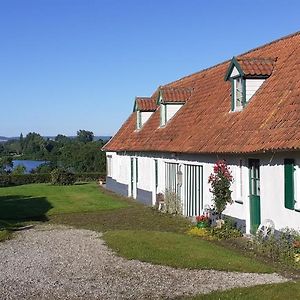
x=62 y=177
x=12 y=179
x=227 y=231
x=282 y=246
x=8 y=180
x=201 y=232
x=93 y=176
x=172 y=203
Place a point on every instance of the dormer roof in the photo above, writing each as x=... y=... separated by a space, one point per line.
x=171 y=94
x=145 y=104
x=251 y=67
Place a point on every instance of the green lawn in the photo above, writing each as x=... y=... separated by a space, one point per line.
x=287 y=290
x=180 y=251
x=39 y=201
x=131 y=229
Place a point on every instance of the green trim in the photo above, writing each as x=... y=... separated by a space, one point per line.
x=232 y=94
x=254 y=195
x=244 y=92
x=156 y=173
x=136 y=170
x=289 y=194
x=159 y=97
x=135 y=106
x=233 y=63
x=165 y=121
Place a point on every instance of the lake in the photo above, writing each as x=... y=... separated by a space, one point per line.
x=28 y=164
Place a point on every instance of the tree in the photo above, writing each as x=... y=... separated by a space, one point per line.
x=21 y=141
x=85 y=136
x=5 y=164
x=220 y=181
x=19 y=170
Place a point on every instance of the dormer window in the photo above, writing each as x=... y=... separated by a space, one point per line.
x=144 y=108
x=238 y=93
x=170 y=101
x=246 y=76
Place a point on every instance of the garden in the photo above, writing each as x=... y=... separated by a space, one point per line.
x=144 y=233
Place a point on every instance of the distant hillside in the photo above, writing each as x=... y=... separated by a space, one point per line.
x=96 y=138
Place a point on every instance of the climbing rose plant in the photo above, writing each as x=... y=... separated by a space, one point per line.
x=220 y=181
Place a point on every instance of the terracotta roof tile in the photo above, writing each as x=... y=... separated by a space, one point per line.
x=257 y=66
x=146 y=103
x=172 y=94
x=269 y=122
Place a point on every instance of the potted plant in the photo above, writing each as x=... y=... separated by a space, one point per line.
x=202 y=221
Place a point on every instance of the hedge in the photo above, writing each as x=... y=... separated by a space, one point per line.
x=10 y=180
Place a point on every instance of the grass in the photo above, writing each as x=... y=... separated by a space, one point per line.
x=131 y=229
x=180 y=251
x=4 y=235
x=39 y=201
x=287 y=290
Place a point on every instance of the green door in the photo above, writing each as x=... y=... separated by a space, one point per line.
x=131 y=177
x=254 y=178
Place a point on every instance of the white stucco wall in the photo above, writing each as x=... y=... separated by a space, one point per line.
x=252 y=85
x=145 y=115
x=172 y=109
x=271 y=181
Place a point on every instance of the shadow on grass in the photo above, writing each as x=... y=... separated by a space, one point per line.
x=20 y=208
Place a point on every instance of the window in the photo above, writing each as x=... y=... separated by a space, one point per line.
x=138 y=120
x=163 y=114
x=289 y=177
x=156 y=173
x=136 y=170
x=238 y=94
x=239 y=182
x=109 y=165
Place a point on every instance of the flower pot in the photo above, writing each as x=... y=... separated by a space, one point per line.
x=202 y=224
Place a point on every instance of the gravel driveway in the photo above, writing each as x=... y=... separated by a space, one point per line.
x=55 y=262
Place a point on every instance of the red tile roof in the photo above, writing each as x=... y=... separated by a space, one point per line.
x=205 y=123
x=173 y=94
x=145 y=103
x=257 y=66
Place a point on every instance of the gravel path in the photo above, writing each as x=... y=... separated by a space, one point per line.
x=55 y=262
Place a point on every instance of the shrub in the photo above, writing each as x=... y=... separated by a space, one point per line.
x=92 y=176
x=8 y=180
x=62 y=177
x=227 y=231
x=281 y=246
x=172 y=203
x=220 y=181
x=201 y=232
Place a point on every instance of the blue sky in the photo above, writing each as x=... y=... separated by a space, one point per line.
x=67 y=65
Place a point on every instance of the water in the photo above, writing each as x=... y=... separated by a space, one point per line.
x=28 y=164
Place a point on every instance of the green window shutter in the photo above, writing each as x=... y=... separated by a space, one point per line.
x=232 y=94
x=289 y=201
x=156 y=173
x=136 y=170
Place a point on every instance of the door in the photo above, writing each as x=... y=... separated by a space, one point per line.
x=254 y=178
x=133 y=177
x=193 y=190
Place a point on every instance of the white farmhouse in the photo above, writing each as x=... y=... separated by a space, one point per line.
x=246 y=111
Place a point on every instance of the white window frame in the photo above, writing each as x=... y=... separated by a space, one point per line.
x=109 y=165
x=238 y=89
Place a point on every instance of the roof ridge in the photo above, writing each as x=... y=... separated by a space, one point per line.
x=242 y=54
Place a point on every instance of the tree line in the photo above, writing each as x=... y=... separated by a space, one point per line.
x=79 y=154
